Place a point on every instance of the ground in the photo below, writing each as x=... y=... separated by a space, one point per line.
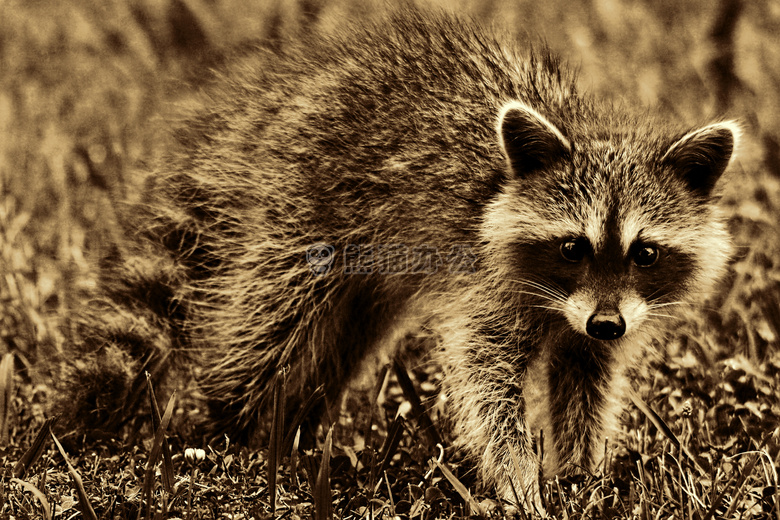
x=87 y=86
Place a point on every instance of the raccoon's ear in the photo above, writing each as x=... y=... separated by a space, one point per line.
x=529 y=141
x=700 y=157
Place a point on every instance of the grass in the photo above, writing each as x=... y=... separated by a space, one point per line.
x=85 y=90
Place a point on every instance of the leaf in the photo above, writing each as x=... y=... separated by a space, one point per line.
x=461 y=489
x=38 y=495
x=167 y=466
x=35 y=450
x=6 y=392
x=323 y=499
x=375 y=401
x=159 y=439
x=294 y=456
x=527 y=501
x=84 y=505
x=303 y=412
x=739 y=487
x=388 y=450
x=420 y=414
x=275 y=441
x=662 y=427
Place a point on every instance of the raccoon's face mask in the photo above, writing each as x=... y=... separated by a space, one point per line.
x=607 y=234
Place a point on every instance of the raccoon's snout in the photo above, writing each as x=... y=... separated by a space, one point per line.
x=605 y=326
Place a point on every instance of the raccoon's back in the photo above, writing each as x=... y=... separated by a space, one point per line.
x=327 y=139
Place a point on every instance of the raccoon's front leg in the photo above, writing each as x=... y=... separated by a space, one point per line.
x=484 y=386
x=582 y=379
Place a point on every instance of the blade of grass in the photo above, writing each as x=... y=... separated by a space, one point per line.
x=644 y=512
x=432 y=466
x=35 y=450
x=540 y=475
x=716 y=502
x=525 y=504
x=560 y=495
x=6 y=391
x=84 y=505
x=167 y=465
x=461 y=489
x=323 y=499
x=154 y=364
x=739 y=487
x=662 y=426
x=38 y=495
x=390 y=495
x=380 y=382
x=387 y=452
x=303 y=412
x=294 y=457
x=420 y=414
x=159 y=439
x=275 y=441
x=516 y=465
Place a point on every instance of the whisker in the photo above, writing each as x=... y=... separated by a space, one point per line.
x=553 y=289
x=547 y=307
x=660 y=315
x=553 y=292
x=540 y=295
x=668 y=304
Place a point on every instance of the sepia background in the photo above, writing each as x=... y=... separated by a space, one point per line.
x=87 y=89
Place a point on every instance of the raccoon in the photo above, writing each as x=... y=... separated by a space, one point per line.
x=330 y=196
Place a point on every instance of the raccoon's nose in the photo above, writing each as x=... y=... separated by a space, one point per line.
x=605 y=326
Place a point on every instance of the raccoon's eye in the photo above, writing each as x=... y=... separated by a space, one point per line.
x=645 y=255
x=575 y=249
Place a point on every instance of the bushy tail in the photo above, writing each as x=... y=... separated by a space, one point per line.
x=129 y=328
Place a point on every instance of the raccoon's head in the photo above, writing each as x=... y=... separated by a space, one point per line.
x=609 y=228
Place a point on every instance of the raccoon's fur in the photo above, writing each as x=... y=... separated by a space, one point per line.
x=435 y=176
